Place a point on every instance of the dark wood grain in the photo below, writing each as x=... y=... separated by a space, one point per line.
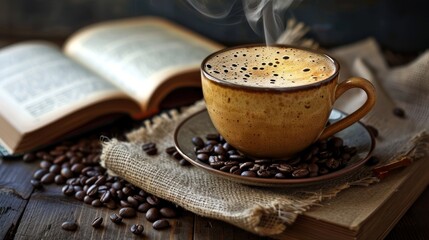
x=210 y=229
x=25 y=214
x=11 y=208
x=15 y=177
x=15 y=190
x=48 y=209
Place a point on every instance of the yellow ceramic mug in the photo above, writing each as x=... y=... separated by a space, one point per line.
x=274 y=101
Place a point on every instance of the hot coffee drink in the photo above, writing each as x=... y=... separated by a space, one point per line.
x=270 y=66
x=274 y=101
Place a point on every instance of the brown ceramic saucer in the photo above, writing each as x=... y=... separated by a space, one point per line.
x=199 y=124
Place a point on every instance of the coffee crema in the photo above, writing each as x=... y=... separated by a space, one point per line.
x=270 y=66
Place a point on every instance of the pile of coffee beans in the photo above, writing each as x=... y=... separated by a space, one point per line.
x=320 y=158
x=76 y=167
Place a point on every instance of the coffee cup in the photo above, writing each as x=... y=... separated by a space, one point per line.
x=274 y=101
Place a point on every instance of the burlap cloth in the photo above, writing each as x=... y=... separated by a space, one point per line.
x=266 y=211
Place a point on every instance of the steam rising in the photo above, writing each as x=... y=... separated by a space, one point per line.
x=214 y=9
x=265 y=17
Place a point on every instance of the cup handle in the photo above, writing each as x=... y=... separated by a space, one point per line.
x=353 y=82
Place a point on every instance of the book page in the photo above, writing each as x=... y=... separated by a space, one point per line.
x=38 y=85
x=137 y=54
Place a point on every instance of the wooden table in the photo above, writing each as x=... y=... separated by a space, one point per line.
x=26 y=213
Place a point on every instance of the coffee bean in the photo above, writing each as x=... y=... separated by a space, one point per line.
x=127 y=191
x=285 y=168
x=38 y=174
x=332 y=163
x=120 y=194
x=115 y=218
x=264 y=173
x=198 y=142
x=45 y=165
x=399 y=112
x=151 y=151
x=212 y=136
x=111 y=204
x=184 y=162
x=127 y=212
x=29 y=157
x=132 y=201
x=48 y=178
x=36 y=183
x=59 y=159
x=249 y=174
x=96 y=223
x=139 y=198
x=144 y=207
x=102 y=188
x=66 y=172
x=96 y=203
x=336 y=142
x=161 y=224
x=80 y=195
x=59 y=179
x=69 y=226
x=313 y=168
x=100 y=181
x=92 y=191
x=203 y=157
x=105 y=197
x=55 y=168
x=262 y=161
x=91 y=180
x=153 y=200
x=88 y=200
x=170 y=150
x=280 y=175
x=137 y=229
x=218 y=149
x=68 y=190
x=236 y=157
x=225 y=168
x=168 y=212
x=299 y=173
x=153 y=214
x=77 y=167
x=236 y=172
x=124 y=203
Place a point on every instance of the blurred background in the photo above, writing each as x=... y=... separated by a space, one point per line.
x=401 y=27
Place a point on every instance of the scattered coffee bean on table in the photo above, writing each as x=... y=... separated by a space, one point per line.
x=115 y=218
x=161 y=224
x=150 y=148
x=320 y=158
x=69 y=226
x=137 y=229
x=36 y=183
x=96 y=223
x=75 y=166
x=127 y=212
x=399 y=112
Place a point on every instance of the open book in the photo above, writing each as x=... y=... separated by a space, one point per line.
x=123 y=66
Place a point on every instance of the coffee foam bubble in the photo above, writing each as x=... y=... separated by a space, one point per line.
x=270 y=66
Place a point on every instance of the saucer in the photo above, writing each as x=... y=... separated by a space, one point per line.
x=199 y=124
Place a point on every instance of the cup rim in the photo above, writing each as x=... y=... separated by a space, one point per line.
x=270 y=89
